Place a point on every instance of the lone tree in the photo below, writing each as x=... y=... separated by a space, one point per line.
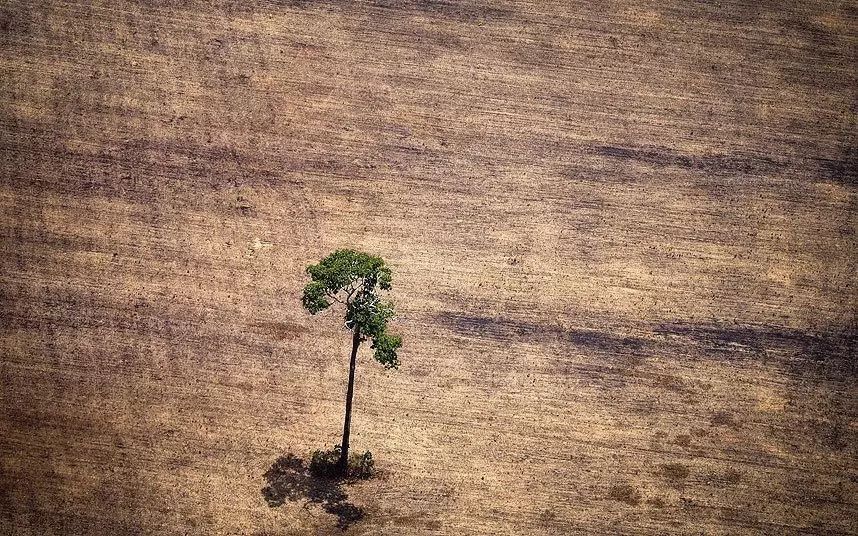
x=355 y=279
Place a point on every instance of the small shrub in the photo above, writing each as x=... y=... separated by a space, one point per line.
x=323 y=463
x=361 y=465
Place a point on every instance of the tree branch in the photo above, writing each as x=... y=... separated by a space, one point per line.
x=352 y=288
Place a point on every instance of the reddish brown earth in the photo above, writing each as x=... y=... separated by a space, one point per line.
x=623 y=236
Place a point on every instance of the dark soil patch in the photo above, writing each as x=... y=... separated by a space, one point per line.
x=725 y=478
x=509 y=329
x=723 y=418
x=683 y=440
x=657 y=502
x=675 y=471
x=625 y=493
x=711 y=163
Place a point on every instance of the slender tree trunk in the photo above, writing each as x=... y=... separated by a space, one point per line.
x=344 y=455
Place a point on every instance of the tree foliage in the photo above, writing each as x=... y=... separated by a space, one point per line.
x=355 y=279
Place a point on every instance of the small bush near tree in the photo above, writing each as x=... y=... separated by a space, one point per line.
x=326 y=464
x=361 y=465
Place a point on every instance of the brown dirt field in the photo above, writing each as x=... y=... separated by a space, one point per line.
x=623 y=236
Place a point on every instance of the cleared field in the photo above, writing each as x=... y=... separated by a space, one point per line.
x=622 y=233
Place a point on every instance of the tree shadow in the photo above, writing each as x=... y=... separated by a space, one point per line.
x=290 y=479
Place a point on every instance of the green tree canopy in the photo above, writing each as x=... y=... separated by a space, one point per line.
x=355 y=279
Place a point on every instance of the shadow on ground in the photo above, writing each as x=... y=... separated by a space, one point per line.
x=290 y=479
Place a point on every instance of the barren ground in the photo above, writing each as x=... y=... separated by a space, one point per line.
x=623 y=236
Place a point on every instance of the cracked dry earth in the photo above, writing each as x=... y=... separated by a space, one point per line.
x=623 y=240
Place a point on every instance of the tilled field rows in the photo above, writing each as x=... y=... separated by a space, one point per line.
x=622 y=234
